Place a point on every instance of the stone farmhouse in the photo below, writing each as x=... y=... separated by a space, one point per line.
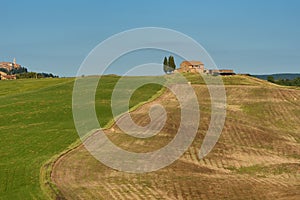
x=198 y=67
x=191 y=66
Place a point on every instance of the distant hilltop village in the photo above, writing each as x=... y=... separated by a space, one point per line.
x=7 y=67
x=10 y=65
x=12 y=70
x=198 y=67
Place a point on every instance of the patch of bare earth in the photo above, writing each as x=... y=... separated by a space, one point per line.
x=256 y=157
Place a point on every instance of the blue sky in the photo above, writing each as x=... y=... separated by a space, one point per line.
x=249 y=36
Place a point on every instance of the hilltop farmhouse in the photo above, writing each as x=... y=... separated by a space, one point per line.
x=222 y=72
x=191 y=66
x=198 y=67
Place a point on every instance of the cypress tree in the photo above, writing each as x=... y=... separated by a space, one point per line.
x=166 y=65
x=172 y=64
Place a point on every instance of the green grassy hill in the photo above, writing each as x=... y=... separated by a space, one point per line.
x=36 y=123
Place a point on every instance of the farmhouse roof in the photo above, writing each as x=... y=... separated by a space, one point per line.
x=193 y=62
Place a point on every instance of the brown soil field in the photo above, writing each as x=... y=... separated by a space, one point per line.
x=256 y=157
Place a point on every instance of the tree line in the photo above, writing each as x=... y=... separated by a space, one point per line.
x=287 y=82
x=35 y=75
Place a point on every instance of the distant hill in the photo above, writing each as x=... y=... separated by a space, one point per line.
x=12 y=70
x=289 y=76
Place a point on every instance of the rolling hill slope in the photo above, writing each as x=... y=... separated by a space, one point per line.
x=256 y=157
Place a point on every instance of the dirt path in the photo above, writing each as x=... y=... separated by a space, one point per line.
x=257 y=156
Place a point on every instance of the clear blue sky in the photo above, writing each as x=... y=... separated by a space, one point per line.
x=254 y=36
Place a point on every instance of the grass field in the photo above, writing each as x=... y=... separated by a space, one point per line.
x=36 y=123
x=259 y=146
x=256 y=157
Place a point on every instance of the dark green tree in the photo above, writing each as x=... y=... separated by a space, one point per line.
x=18 y=70
x=166 y=65
x=172 y=64
x=271 y=79
x=4 y=70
